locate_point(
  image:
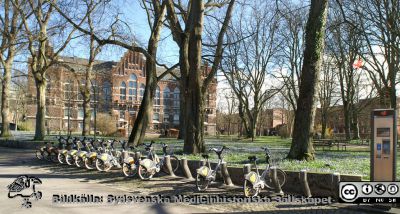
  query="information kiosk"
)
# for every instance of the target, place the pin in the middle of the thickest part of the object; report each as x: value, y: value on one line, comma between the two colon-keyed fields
x: 383, y: 145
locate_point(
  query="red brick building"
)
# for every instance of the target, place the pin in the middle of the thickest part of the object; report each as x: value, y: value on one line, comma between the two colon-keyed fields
x: 117, y: 89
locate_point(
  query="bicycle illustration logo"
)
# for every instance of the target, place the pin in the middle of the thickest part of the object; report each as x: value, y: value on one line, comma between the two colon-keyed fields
x: 24, y: 187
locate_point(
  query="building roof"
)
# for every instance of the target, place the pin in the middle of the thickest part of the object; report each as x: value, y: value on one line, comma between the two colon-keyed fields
x: 79, y: 64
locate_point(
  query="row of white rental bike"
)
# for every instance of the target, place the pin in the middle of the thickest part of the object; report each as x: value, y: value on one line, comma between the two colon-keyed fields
x: 104, y: 155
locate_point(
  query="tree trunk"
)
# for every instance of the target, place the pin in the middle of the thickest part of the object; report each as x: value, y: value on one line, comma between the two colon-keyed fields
x: 41, y: 109
x: 194, y: 118
x: 139, y: 127
x: 354, y: 124
x: 142, y: 120
x: 5, y: 110
x: 194, y: 99
x: 347, y: 120
x: 323, y: 123
x: 184, y: 70
x: 182, y: 127
x: 86, y: 101
x: 243, y: 121
x: 301, y: 148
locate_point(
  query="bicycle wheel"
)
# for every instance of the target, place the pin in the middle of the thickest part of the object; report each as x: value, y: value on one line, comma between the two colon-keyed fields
x: 174, y: 165
x: 129, y: 170
x: 54, y: 157
x: 281, y: 175
x: 249, y: 190
x: 201, y: 182
x: 90, y: 163
x: 144, y: 174
x: 79, y: 162
x: 99, y: 165
x: 70, y: 160
x: 61, y: 158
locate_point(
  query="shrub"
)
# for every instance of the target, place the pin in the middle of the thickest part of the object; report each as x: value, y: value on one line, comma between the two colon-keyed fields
x: 106, y: 124
x: 283, y: 131
x: 26, y: 126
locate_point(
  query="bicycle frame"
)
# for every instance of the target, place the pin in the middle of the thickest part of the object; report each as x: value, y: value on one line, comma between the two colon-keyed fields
x: 213, y: 172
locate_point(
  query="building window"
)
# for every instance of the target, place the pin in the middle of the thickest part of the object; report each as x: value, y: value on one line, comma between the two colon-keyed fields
x: 166, y: 118
x: 107, y: 91
x: 132, y: 87
x: 166, y: 98
x: 80, y: 125
x: 80, y: 113
x: 156, y: 116
x: 121, y: 114
x: 94, y: 91
x: 67, y: 113
x: 176, y: 97
x: 68, y: 90
x: 48, y: 84
x: 122, y: 91
x: 157, y: 96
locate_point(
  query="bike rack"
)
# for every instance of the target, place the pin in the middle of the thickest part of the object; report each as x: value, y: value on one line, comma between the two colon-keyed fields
x: 138, y: 156
x: 275, y: 181
x: 304, y: 183
x: 225, y: 174
x: 167, y: 160
x: 125, y: 155
x: 246, y: 169
x: 185, y: 169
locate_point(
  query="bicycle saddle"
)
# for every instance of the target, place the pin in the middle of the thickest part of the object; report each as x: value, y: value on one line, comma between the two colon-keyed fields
x: 205, y: 156
x: 219, y: 151
x: 148, y: 147
x: 266, y: 150
x: 252, y: 158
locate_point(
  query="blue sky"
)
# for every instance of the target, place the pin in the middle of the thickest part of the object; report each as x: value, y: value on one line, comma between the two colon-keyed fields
x: 136, y: 19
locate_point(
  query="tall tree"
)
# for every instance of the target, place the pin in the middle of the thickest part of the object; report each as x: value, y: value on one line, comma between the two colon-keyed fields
x: 193, y: 83
x: 42, y: 55
x: 248, y: 62
x: 10, y: 29
x: 301, y: 147
x: 326, y: 92
x: 155, y: 10
x: 345, y: 46
x: 377, y: 22
x: 94, y: 50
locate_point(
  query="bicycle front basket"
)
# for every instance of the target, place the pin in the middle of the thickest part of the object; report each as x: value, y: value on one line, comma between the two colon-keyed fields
x: 203, y: 171
x: 252, y: 177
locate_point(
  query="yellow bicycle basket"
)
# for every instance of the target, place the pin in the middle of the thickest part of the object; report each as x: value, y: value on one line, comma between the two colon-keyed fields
x: 104, y: 157
x: 203, y: 171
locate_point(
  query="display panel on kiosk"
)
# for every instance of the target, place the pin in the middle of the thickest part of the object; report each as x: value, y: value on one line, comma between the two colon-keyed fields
x: 383, y: 146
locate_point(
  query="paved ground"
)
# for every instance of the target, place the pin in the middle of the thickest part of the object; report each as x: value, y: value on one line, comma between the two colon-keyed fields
x: 59, y: 179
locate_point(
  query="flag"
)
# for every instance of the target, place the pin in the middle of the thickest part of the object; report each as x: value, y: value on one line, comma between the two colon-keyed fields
x: 358, y: 64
